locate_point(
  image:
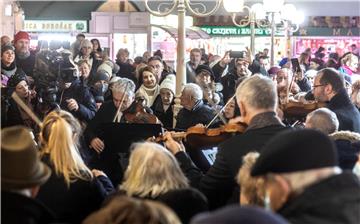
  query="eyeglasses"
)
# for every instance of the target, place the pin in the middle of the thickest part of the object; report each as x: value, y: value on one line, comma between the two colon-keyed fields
x: 317, y: 86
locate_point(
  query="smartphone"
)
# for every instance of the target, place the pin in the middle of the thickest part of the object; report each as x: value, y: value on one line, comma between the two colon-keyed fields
x: 295, y: 65
x: 236, y: 54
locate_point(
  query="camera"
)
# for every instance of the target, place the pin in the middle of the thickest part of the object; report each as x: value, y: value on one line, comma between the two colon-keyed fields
x: 236, y: 54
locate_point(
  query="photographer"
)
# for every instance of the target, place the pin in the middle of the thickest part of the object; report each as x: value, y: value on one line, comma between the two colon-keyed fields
x: 75, y: 97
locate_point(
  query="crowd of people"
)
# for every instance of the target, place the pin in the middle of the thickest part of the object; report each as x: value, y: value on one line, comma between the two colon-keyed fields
x: 289, y: 164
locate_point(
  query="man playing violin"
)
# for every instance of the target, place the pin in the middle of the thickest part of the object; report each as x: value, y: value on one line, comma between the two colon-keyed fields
x: 257, y: 100
x: 329, y: 86
x: 194, y: 110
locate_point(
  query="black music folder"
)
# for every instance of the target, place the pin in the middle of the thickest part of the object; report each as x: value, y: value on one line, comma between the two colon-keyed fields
x: 118, y: 137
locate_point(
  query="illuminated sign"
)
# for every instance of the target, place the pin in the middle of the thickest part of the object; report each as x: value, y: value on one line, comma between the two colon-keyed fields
x: 236, y: 31
x: 56, y: 26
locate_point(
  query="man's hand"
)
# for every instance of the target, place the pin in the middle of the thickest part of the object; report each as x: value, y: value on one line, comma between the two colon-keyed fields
x: 226, y: 59
x: 172, y: 145
x: 97, y: 144
x: 72, y: 105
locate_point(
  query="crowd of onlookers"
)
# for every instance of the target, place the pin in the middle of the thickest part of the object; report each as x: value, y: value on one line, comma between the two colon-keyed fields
x: 278, y: 173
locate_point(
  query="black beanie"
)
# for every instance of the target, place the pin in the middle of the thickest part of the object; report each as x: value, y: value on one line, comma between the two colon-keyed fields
x: 7, y: 47
x: 293, y: 151
x: 205, y: 68
x: 16, y: 78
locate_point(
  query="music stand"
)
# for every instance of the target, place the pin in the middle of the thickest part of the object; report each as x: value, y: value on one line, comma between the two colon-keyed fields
x: 118, y: 137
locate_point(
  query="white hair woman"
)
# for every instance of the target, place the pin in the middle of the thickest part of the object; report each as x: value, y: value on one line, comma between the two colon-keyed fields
x: 154, y: 173
x: 73, y: 190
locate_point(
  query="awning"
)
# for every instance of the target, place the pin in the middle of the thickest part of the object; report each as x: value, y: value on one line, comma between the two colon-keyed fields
x: 191, y: 32
x: 59, y: 10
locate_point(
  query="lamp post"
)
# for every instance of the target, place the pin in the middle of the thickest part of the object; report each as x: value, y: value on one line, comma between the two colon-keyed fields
x: 256, y: 16
x: 164, y: 9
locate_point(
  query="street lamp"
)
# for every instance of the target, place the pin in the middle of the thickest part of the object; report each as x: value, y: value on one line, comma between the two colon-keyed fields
x: 164, y: 8
x: 264, y: 16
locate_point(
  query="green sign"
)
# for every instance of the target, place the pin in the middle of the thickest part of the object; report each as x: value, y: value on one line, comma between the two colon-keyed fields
x: 325, y: 31
x: 237, y: 31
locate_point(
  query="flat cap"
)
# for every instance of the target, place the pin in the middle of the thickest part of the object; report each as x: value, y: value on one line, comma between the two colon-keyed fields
x: 296, y: 150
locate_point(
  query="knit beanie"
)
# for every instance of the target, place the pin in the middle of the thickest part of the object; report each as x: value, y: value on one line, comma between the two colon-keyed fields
x: 169, y: 83
x: 21, y: 35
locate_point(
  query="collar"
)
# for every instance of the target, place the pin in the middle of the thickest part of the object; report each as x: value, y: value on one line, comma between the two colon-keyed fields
x: 263, y: 120
x: 340, y: 99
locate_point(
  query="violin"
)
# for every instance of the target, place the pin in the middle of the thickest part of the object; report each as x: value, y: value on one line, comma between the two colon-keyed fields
x: 140, y: 116
x: 201, y: 137
x: 299, y: 109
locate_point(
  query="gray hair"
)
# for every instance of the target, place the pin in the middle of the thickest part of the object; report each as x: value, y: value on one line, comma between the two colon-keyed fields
x: 323, y: 120
x: 258, y: 92
x: 194, y: 90
x: 123, y: 85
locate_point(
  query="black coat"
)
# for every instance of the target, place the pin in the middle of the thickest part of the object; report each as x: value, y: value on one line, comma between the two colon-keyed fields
x: 218, y: 184
x: 229, y: 85
x: 200, y: 114
x: 84, y: 98
x: 331, y: 201
x: 166, y: 117
x: 347, y: 114
x: 16, y: 208
x: 72, y: 204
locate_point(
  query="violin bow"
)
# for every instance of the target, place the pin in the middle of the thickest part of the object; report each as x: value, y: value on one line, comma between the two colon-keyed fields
x: 220, y: 111
x: 26, y: 108
x: 117, y: 115
x: 288, y: 90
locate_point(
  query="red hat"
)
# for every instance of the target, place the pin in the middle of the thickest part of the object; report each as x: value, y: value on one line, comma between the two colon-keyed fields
x: 21, y: 35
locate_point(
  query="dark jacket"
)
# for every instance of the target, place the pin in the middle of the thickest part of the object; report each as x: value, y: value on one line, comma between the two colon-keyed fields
x: 229, y: 85
x: 346, y: 112
x: 200, y: 114
x: 331, y: 201
x: 72, y: 204
x: 127, y: 71
x: 85, y: 100
x: 166, y: 117
x: 218, y: 184
x: 27, y: 64
x: 16, y: 208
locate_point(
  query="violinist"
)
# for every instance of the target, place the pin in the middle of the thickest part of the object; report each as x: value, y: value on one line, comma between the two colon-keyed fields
x: 257, y: 100
x: 194, y: 110
x: 329, y: 86
x: 123, y: 99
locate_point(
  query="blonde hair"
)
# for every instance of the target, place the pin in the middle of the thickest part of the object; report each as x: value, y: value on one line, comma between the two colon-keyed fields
x: 60, y: 137
x: 123, y: 209
x: 253, y: 188
x: 152, y: 171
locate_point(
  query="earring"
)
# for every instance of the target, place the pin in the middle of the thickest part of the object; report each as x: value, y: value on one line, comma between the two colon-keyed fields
x: 267, y: 202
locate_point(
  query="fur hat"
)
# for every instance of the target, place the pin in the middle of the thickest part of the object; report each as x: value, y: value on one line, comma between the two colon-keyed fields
x: 7, y: 47
x: 348, y: 146
x: 205, y: 68
x: 20, y: 163
x: 169, y: 83
x: 16, y: 78
x: 105, y: 68
x: 21, y: 35
x: 293, y: 151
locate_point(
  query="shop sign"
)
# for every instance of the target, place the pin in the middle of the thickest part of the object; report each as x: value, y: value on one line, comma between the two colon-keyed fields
x: 325, y: 31
x: 236, y: 31
x: 55, y: 26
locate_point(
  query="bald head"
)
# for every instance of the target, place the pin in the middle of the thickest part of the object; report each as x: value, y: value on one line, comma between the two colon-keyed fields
x: 323, y: 120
